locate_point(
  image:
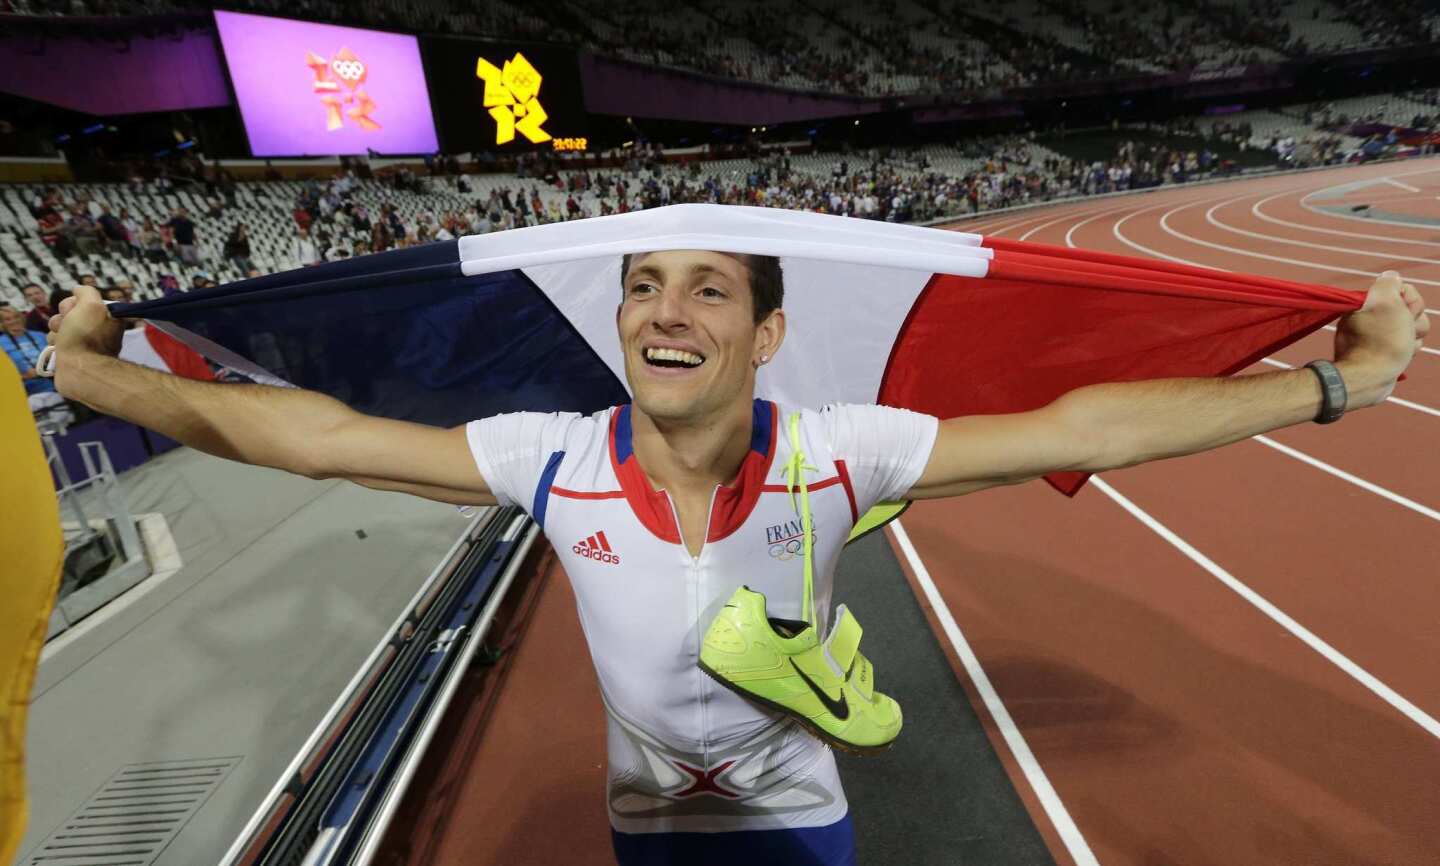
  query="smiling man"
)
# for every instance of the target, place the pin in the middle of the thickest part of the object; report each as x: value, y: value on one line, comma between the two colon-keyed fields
x: 660, y: 508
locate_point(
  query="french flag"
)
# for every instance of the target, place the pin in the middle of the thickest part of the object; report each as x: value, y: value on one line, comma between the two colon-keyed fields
x: 941, y: 322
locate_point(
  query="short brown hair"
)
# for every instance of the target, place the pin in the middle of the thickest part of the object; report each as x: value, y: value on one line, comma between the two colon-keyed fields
x: 767, y: 281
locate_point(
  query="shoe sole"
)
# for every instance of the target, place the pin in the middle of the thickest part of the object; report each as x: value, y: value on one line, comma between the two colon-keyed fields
x: 824, y: 735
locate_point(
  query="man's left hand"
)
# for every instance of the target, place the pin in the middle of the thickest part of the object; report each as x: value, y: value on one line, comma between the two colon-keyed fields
x: 1374, y: 344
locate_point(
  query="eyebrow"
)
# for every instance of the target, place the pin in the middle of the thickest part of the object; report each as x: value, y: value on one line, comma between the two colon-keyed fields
x: 699, y: 269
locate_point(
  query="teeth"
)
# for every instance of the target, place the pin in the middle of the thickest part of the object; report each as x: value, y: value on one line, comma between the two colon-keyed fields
x: 656, y: 354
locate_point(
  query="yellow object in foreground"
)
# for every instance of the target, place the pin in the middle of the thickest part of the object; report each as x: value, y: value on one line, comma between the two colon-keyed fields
x: 32, y: 550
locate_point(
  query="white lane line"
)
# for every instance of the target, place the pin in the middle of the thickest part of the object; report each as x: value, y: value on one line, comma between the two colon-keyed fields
x: 1165, y: 225
x: 1070, y: 215
x: 1422, y: 510
x: 1216, y: 221
x: 1018, y: 223
x: 1255, y: 209
x: 1405, y: 186
x: 1049, y: 800
x: 1332, y: 655
x: 1396, y: 400
x: 1070, y: 234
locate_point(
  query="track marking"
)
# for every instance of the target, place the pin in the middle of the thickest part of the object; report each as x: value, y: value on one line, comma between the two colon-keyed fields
x: 1070, y: 214
x: 1049, y: 800
x: 1332, y: 655
x: 1165, y: 225
x: 1070, y: 234
x: 1422, y: 510
x: 1371, y: 220
x: 1255, y: 209
x: 1405, y: 186
x: 1215, y: 221
x: 1396, y: 400
x: 1019, y: 223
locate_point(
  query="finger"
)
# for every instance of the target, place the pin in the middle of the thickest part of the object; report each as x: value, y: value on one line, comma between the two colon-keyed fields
x: 68, y: 304
x: 54, y: 323
x: 1422, y: 325
x: 1412, y: 299
x: 90, y: 293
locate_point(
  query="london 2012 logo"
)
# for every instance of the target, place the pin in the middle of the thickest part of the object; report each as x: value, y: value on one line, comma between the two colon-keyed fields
x: 512, y: 93
x: 340, y: 81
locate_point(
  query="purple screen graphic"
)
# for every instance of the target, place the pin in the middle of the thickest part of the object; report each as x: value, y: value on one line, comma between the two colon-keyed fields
x: 319, y: 90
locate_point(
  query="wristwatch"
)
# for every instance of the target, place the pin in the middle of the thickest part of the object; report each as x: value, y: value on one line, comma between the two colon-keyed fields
x: 1332, y: 389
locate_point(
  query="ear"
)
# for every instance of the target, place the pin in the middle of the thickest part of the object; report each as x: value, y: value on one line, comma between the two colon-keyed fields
x: 769, y: 334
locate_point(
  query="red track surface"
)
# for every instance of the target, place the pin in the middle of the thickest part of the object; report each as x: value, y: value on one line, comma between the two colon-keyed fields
x: 1176, y: 721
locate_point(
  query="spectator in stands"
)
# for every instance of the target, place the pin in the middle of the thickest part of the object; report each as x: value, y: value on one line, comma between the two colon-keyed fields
x: 38, y: 319
x: 237, y: 248
x: 90, y: 280
x: 152, y: 242
x: 126, y: 290
x: 53, y: 233
x: 183, y: 229
x: 81, y: 228
x: 23, y: 346
x: 304, y: 249
x: 112, y: 229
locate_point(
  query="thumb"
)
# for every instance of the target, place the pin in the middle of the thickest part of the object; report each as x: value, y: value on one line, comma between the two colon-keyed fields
x: 1387, y: 284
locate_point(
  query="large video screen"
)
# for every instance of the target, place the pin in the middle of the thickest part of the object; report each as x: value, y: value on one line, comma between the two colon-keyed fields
x: 309, y: 89
x: 506, y: 97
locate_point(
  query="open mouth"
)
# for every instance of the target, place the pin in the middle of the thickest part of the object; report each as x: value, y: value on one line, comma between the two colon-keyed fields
x: 672, y: 358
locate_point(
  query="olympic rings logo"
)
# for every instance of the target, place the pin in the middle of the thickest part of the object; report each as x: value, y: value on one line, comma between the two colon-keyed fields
x: 789, y: 548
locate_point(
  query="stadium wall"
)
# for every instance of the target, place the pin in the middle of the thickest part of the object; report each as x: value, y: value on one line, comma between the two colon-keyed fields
x: 130, y: 75
x: 627, y: 89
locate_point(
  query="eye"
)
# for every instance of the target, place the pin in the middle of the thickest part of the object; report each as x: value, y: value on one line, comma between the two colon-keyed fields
x: 711, y: 292
x: 641, y: 288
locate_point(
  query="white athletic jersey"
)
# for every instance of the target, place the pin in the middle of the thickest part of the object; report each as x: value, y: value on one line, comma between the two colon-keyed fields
x: 687, y: 754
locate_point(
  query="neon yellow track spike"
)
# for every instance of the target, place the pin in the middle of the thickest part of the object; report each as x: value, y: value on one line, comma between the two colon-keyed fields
x: 828, y: 686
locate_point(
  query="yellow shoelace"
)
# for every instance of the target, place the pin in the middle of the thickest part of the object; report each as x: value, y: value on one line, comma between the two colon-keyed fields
x: 795, y: 469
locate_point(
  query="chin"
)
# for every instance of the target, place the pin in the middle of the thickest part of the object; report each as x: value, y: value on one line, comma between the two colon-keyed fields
x: 667, y: 407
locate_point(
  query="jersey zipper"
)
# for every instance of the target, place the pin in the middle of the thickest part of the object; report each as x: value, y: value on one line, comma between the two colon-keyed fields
x: 702, y: 692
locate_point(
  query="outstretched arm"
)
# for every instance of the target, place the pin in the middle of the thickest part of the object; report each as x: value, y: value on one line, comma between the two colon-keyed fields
x: 299, y: 431
x: 1110, y: 426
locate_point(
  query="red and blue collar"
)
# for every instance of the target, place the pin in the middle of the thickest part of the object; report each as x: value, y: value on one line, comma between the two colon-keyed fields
x: 733, y: 502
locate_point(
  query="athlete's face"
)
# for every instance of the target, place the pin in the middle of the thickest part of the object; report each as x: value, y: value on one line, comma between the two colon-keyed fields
x: 688, y: 331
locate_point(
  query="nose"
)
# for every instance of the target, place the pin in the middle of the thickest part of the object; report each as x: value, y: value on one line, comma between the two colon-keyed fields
x: 669, y: 313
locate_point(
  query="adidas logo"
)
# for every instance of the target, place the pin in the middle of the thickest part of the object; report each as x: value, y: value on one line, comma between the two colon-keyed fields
x: 597, y: 548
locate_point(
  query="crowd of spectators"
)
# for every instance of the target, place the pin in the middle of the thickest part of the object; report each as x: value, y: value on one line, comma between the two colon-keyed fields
x: 854, y: 46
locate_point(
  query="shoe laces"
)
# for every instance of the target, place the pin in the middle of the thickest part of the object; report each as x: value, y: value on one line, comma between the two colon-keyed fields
x: 795, y: 469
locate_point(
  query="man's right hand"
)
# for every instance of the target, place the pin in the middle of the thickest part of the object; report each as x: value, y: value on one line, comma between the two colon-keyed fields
x: 88, y: 329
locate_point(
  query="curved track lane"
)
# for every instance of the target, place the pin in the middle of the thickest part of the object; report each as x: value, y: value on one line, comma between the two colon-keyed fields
x: 1235, y: 658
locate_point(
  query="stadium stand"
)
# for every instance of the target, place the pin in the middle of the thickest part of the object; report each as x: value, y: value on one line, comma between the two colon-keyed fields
x: 883, y: 49
x: 344, y: 215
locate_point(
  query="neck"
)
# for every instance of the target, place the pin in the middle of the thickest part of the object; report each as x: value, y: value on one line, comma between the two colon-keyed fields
x: 693, y: 454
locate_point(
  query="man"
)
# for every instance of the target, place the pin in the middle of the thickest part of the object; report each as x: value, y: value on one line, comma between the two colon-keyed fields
x: 306, y: 251
x: 40, y: 310
x: 23, y: 346
x: 679, y: 484
x: 183, y: 230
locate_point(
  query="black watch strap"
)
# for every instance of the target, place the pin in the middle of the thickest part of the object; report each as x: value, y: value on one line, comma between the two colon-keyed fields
x: 1332, y: 387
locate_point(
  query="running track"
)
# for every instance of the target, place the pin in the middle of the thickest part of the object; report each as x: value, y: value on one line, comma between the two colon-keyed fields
x: 1232, y: 658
